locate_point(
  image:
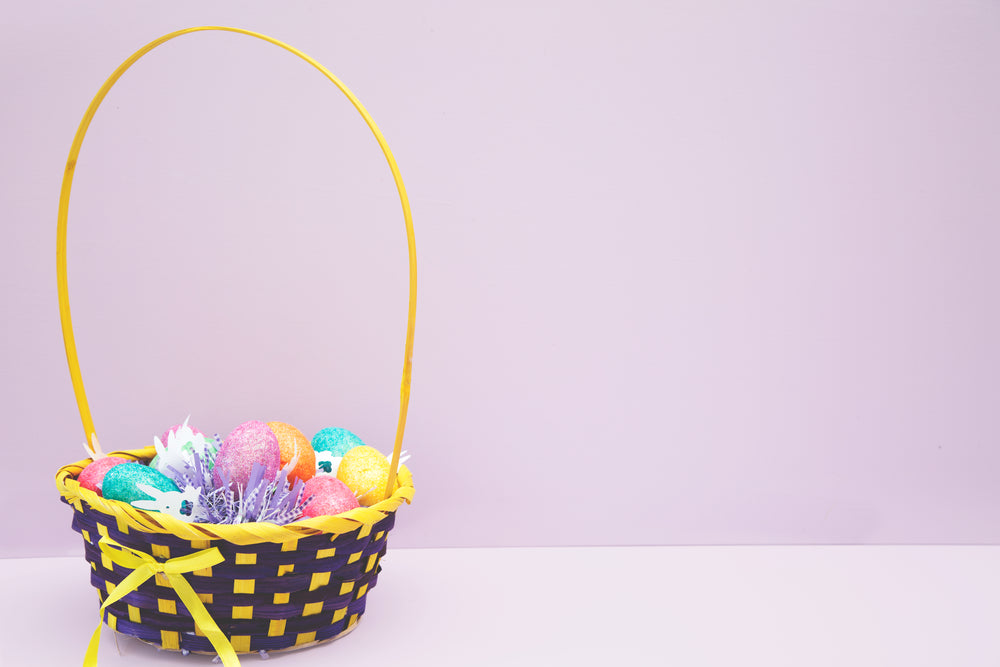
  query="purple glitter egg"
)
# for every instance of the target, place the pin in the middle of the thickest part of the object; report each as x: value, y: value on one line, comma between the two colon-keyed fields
x: 250, y: 442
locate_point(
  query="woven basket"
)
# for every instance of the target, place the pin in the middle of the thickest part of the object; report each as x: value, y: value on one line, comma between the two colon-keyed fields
x: 227, y: 589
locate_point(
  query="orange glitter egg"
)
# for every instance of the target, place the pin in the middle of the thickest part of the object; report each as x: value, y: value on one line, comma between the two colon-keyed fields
x: 292, y: 443
x: 365, y: 471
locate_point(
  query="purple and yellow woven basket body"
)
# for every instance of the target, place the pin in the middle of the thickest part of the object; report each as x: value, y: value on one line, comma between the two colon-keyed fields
x: 227, y: 589
x: 264, y: 597
x: 307, y: 587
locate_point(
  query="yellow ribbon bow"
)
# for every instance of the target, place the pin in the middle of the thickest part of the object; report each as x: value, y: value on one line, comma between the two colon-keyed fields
x: 143, y: 567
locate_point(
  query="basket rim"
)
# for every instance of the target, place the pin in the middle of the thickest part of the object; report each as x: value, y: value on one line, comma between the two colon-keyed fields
x: 241, y: 533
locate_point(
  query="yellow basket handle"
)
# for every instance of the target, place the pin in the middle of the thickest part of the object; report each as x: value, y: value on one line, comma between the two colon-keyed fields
x: 67, y: 184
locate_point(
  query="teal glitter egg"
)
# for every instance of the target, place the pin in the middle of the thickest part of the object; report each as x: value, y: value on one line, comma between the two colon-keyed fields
x: 123, y: 484
x: 337, y: 441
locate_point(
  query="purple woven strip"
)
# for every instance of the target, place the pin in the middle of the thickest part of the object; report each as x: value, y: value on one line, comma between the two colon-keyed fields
x: 266, y: 574
x: 296, y: 624
x: 258, y: 642
x: 222, y: 604
x: 147, y: 596
x: 220, y: 583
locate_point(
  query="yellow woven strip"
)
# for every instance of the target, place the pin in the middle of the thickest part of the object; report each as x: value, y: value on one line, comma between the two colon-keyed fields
x: 244, y: 585
x: 102, y: 530
x: 110, y: 586
x: 285, y: 569
x: 312, y: 608
x: 276, y: 628
x: 339, y: 614
x: 166, y: 606
x: 291, y: 545
x: 246, y: 559
x: 133, y: 614
x: 112, y: 621
x: 354, y: 558
x: 207, y: 598
x: 241, y: 643
x: 198, y: 631
x: 281, y: 598
x: 161, y: 551
x: 86, y: 535
x: 170, y: 640
x: 161, y: 579
x: 305, y: 638
x: 319, y: 579
x: 201, y: 544
x: 372, y: 561
x: 365, y: 531
x: 122, y: 524
x: 106, y: 562
x: 354, y: 619
x: 361, y: 591
x: 203, y: 572
x: 379, y: 534
x: 245, y: 611
x: 326, y: 553
x: 265, y: 532
x: 346, y: 587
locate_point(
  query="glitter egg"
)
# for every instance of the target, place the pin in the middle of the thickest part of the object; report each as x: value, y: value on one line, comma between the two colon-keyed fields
x: 291, y: 443
x: 329, y: 496
x: 93, y: 475
x: 337, y: 441
x: 250, y: 442
x: 121, y: 482
x: 365, y: 471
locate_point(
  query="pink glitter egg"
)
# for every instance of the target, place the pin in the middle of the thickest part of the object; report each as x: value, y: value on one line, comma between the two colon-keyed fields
x: 329, y: 496
x: 92, y: 476
x: 173, y: 429
x: 250, y: 442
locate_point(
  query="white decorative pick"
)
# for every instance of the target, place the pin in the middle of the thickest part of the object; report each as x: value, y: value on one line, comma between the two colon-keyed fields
x: 403, y: 458
x: 183, y: 505
x: 327, y: 463
x: 181, y: 448
x: 96, y: 453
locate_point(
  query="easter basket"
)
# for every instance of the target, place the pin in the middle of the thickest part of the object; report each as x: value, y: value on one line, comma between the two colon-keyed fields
x: 227, y: 589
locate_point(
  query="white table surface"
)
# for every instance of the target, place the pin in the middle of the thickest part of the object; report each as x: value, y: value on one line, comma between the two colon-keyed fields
x: 802, y: 606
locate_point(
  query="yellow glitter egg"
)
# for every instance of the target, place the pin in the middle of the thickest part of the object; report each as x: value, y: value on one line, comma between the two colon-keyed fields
x: 365, y: 471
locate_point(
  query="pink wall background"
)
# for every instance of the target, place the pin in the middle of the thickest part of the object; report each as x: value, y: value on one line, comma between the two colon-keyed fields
x: 690, y: 272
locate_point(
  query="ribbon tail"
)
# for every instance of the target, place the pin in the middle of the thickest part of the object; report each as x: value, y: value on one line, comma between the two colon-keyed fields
x: 90, y: 659
x: 127, y: 585
x: 204, y: 620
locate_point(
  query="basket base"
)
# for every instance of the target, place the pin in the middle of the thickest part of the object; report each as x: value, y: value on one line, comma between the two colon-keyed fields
x: 346, y: 632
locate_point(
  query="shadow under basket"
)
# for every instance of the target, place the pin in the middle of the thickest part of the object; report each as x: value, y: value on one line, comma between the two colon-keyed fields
x: 264, y: 596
